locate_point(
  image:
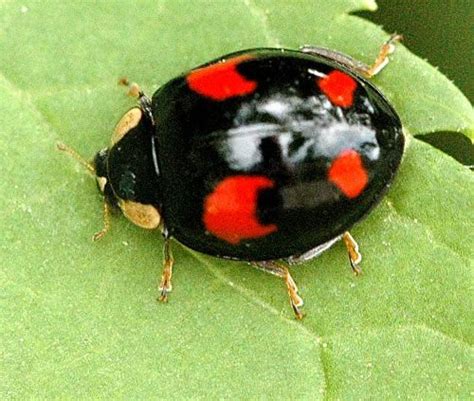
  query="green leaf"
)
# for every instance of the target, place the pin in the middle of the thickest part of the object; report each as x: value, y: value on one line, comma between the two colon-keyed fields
x: 80, y: 320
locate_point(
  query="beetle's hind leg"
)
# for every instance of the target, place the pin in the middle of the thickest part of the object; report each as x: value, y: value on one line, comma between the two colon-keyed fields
x: 135, y: 91
x: 279, y: 270
x: 355, y: 256
x: 366, y: 70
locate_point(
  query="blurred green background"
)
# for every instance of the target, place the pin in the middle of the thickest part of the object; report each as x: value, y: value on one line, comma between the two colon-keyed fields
x: 441, y: 31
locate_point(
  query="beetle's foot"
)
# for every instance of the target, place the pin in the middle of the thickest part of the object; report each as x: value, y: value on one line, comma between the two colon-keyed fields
x: 165, y: 286
x: 106, y: 216
x: 135, y: 91
x: 133, y: 88
x: 356, y: 269
x: 382, y: 59
x: 296, y: 301
x: 298, y: 314
x: 355, y: 256
x: 281, y: 271
x: 99, y: 235
x: 164, y: 295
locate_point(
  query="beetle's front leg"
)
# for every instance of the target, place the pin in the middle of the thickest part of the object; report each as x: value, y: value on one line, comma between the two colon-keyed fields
x: 165, y: 286
x: 106, y: 219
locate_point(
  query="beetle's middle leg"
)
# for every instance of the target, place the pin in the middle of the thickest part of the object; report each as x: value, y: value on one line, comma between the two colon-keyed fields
x: 353, y: 251
x: 279, y: 270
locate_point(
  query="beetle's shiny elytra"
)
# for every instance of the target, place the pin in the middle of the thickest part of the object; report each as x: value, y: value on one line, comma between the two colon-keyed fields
x: 268, y: 153
x: 261, y: 155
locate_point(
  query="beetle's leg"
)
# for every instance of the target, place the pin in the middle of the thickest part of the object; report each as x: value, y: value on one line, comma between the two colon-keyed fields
x: 281, y: 271
x: 353, y: 251
x: 382, y: 58
x: 165, y: 286
x: 135, y: 91
x: 367, y: 71
x: 106, y: 216
x: 90, y: 167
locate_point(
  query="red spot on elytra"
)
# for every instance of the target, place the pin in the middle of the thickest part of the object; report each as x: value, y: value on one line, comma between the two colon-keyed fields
x: 221, y: 81
x: 230, y: 211
x: 339, y: 88
x: 348, y: 173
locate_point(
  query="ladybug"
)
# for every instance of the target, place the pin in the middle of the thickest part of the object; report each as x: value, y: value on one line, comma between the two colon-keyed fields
x: 264, y: 155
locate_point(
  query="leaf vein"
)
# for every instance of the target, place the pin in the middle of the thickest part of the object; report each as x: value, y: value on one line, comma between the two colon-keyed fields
x: 427, y: 228
x: 253, y: 298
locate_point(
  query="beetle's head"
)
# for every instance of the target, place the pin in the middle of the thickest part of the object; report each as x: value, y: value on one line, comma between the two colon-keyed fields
x: 100, y: 166
x: 126, y: 172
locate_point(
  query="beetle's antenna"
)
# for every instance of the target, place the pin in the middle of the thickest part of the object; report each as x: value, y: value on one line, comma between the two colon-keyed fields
x: 71, y: 152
